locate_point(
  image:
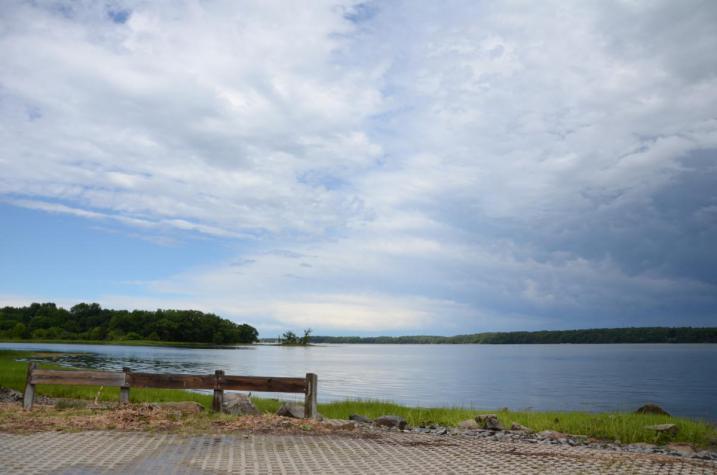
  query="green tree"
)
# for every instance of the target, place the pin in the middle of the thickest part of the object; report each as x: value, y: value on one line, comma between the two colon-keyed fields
x: 19, y: 331
x: 289, y: 338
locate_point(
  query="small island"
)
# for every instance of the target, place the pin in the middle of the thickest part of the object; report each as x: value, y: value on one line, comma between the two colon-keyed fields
x: 290, y: 338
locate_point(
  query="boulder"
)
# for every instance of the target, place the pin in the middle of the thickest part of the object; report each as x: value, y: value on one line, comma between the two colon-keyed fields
x: 391, y: 421
x: 238, y: 404
x: 469, y: 424
x: 668, y: 429
x: 9, y: 395
x: 291, y: 409
x: 652, y: 409
x: 489, y: 421
x: 359, y: 418
x: 521, y: 427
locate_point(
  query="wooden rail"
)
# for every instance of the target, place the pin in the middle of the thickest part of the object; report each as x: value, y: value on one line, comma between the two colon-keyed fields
x: 218, y: 381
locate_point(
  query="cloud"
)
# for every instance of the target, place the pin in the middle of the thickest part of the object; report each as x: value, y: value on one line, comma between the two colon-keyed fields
x: 396, y: 166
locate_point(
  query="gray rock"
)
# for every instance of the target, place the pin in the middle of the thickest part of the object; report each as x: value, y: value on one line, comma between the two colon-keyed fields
x: 651, y: 409
x: 469, y: 424
x: 391, y: 421
x: 238, y: 404
x: 670, y: 429
x: 359, y: 418
x: 10, y: 395
x: 294, y: 410
x: 489, y: 421
x: 291, y: 409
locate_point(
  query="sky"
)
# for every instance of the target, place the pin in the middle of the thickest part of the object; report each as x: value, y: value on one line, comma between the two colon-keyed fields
x: 363, y: 168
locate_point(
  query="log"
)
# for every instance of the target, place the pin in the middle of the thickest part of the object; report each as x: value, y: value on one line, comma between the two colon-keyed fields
x: 310, y: 410
x: 87, y: 378
x: 28, y: 397
x: 171, y: 381
x: 258, y: 383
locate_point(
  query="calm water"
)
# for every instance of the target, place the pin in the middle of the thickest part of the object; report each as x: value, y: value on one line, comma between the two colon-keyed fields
x: 681, y: 378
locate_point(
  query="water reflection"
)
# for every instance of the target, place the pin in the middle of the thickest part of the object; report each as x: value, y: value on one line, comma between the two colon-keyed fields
x: 559, y: 377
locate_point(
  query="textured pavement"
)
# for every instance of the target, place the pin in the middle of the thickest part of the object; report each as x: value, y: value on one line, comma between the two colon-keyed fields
x: 165, y: 453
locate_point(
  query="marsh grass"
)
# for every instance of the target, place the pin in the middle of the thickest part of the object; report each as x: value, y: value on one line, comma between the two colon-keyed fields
x: 625, y: 427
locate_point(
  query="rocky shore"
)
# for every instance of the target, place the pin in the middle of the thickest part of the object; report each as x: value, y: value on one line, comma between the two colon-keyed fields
x: 487, y: 426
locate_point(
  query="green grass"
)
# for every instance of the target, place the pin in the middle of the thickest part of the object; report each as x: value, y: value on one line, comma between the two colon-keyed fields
x: 625, y: 427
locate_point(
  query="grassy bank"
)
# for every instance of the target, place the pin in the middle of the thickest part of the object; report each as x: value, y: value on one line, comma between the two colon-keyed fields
x: 625, y: 427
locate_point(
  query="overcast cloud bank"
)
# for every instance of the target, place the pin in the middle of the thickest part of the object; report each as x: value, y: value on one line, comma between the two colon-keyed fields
x: 384, y: 167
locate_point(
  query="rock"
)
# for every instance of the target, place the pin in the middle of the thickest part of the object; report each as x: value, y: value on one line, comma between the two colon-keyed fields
x: 294, y: 410
x: 359, y: 418
x: 238, y: 404
x: 185, y: 407
x: 469, y: 424
x: 651, y: 409
x: 705, y: 455
x: 391, y: 421
x: 489, y: 421
x: 521, y: 427
x: 291, y: 409
x: 670, y: 429
x: 10, y: 395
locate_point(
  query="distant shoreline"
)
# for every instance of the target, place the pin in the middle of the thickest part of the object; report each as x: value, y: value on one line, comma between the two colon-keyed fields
x: 585, y: 336
x: 632, y: 335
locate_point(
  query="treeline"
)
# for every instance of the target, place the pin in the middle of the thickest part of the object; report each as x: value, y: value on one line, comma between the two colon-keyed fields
x: 594, y: 335
x: 47, y: 321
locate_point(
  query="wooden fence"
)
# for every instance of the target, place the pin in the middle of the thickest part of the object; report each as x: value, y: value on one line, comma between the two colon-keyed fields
x: 218, y: 381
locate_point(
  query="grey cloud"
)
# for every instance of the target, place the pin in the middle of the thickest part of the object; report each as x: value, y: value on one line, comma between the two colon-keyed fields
x: 466, y: 165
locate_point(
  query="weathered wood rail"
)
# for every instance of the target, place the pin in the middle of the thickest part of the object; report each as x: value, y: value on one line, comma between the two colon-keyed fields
x: 218, y: 381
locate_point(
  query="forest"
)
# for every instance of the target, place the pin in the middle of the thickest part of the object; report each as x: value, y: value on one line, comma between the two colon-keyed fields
x: 47, y: 321
x: 593, y: 335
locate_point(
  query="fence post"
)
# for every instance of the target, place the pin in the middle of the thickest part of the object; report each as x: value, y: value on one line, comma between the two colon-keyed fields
x: 124, y: 390
x: 310, y: 411
x: 218, y: 400
x: 29, y: 397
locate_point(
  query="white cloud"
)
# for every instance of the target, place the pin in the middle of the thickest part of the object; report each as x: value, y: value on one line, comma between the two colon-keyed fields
x: 475, y: 165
